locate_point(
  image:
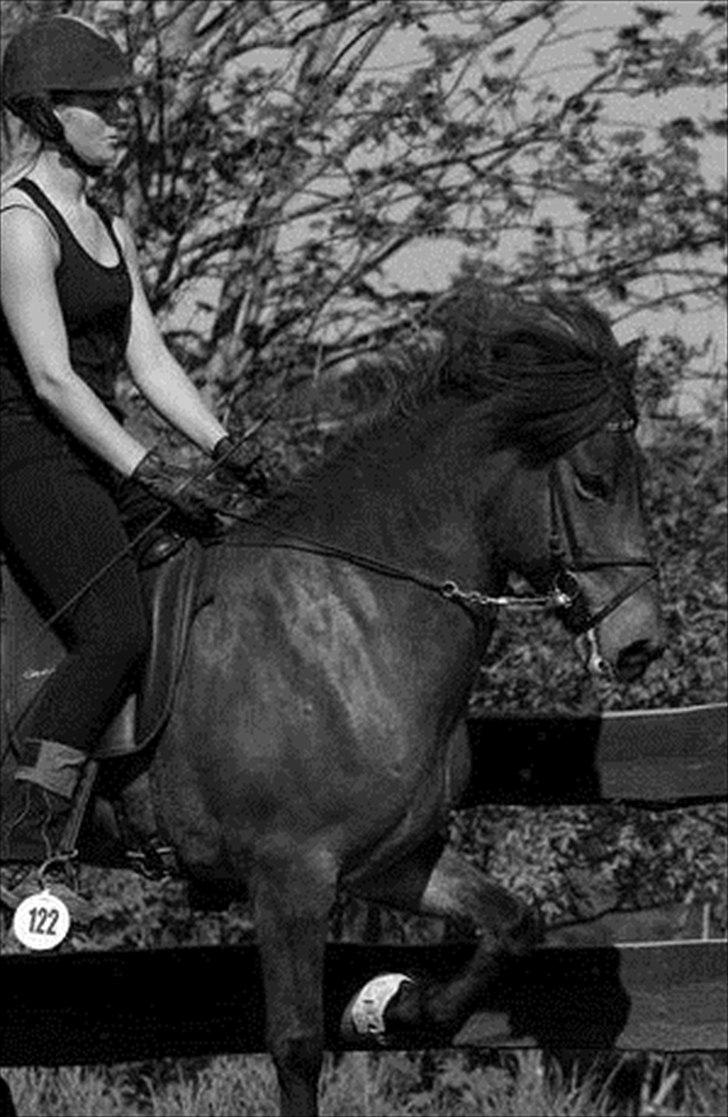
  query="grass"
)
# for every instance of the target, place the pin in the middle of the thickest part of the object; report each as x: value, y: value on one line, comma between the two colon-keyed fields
x: 359, y: 1084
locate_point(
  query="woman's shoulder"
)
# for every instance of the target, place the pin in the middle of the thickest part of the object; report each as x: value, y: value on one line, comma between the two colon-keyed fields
x: 24, y: 224
x: 13, y: 196
x: 15, y: 200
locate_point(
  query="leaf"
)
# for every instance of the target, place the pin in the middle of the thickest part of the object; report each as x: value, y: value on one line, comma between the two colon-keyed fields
x: 652, y: 17
x: 500, y: 56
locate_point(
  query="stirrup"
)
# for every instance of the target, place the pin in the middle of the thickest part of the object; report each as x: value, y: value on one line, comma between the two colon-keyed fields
x: 61, y: 859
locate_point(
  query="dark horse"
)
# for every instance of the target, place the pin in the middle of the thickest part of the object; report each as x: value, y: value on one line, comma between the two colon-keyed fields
x: 317, y: 739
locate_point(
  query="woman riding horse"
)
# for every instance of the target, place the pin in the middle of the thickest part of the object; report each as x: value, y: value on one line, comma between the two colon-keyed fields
x: 316, y: 739
x: 76, y: 484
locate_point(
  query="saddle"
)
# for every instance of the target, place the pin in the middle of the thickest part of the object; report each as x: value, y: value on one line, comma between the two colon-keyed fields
x: 174, y: 591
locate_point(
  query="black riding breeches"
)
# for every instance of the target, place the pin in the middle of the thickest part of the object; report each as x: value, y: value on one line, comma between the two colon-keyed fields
x: 59, y: 526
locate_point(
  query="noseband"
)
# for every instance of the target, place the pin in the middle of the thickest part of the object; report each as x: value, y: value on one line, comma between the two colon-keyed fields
x: 569, y: 558
x: 572, y: 560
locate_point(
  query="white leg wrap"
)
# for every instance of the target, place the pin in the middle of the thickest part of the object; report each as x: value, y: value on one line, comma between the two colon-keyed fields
x: 364, y: 1015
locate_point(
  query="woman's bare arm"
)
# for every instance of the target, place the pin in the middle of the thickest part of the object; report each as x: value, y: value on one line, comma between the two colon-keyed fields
x: 156, y: 372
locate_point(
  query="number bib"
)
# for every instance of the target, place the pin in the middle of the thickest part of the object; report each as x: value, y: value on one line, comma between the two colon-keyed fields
x: 41, y: 921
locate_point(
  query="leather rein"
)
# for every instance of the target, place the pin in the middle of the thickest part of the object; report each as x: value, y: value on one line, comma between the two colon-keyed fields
x: 566, y: 560
x: 565, y: 564
x: 450, y: 590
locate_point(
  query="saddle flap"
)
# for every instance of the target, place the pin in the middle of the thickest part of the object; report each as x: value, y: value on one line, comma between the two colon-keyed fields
x: 171, y: 593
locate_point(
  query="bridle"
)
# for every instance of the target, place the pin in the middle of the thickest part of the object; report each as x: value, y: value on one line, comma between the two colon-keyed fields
x: 567, y: 560
x: 570, y: 558
x: 470, y: 600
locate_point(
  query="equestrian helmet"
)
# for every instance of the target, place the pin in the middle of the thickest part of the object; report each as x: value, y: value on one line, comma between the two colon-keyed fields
x: 62, y: 54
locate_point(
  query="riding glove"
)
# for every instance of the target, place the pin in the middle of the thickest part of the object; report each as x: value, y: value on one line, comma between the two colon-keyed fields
x: 235, y: 468
x: 177, y: 487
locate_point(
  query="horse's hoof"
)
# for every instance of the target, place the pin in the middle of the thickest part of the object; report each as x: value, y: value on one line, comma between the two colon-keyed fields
x: 363, y: 1017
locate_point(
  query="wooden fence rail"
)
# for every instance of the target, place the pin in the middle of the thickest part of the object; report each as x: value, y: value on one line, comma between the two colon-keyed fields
x: 101, y: 1007
x: 584, y: 989
x: 642, y: 756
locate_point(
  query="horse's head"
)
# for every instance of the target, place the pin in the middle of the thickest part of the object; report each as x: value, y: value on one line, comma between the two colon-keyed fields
x: 559, y: 402
x: 592, y: 546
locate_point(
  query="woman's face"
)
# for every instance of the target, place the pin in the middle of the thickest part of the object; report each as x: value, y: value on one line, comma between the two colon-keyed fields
x: 92, y: 123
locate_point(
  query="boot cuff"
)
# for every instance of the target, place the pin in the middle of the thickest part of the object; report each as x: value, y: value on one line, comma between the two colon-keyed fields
x: 57, y: 768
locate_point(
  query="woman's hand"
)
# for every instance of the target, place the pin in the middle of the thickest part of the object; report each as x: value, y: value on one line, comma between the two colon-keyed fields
x: 178, y: 487
x: 235, y: 468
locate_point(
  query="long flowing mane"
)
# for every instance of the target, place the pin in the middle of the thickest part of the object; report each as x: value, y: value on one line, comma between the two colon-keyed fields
x: 550, y: 368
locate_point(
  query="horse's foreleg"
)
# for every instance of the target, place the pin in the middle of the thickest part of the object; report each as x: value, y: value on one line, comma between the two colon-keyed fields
x: 457, y: 889
x: 292, y: 896
x: 505, y: 926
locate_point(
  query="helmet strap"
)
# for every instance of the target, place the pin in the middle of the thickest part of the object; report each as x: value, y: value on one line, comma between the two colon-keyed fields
x: 38, y: 113
x: 69, y: 157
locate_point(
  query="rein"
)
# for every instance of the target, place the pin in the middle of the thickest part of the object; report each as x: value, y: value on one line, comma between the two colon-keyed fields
x: 565, y: 565
x: 567, y: 561
x: 449, y: 590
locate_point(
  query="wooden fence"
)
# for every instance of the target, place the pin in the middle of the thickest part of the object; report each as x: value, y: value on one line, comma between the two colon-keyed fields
x: 584, y: 989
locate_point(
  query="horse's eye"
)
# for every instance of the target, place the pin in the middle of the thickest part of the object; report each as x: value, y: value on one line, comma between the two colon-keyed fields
x: 591, y: 486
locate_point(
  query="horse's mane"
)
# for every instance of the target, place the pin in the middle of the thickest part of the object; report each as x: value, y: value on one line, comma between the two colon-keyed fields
x: 549, y: 366
x: 547, y: 371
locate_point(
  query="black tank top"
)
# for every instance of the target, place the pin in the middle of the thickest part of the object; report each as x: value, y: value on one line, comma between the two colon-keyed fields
x: 95, y: 303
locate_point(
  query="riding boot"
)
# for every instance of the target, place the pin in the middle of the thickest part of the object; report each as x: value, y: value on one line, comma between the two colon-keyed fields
x: 36, y: 819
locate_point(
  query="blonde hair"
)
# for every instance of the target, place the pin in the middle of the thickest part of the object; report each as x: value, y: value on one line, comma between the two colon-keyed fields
x: 21, y: 147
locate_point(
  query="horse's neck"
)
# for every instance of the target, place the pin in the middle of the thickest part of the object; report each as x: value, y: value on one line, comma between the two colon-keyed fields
x: 416, y: 497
